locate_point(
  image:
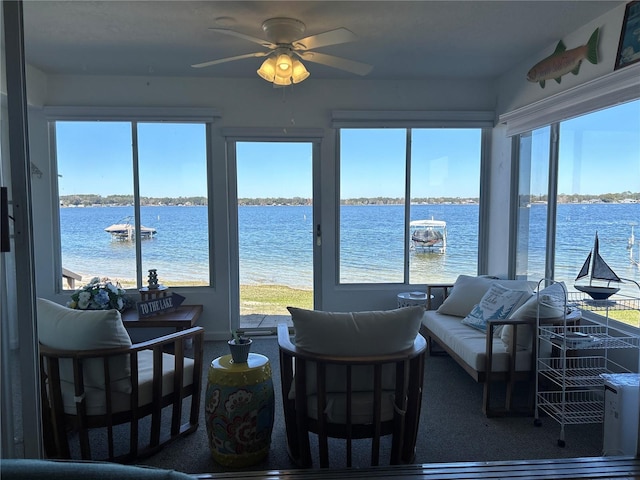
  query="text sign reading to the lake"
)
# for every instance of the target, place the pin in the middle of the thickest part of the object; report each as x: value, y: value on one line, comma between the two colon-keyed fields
x: 159, y: 305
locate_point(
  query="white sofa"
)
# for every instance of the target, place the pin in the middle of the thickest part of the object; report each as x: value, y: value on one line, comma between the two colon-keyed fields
x: 504, y: 351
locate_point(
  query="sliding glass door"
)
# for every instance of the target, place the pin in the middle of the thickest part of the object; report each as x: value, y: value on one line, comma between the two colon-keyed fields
x: 275, y: 230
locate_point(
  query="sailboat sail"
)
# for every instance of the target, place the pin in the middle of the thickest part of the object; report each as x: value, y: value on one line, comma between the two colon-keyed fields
x: 600, y: 270
x: 584, y: 271
x: 596, y: 268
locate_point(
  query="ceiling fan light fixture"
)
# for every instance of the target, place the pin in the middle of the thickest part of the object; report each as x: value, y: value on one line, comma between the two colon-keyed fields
x: 282, y: 78
x: 284, y: 63
x: 285, y: 49
x: 299, y: 72
x: 268, y: 69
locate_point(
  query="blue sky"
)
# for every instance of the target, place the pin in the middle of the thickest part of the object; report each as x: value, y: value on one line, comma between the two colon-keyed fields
x: 95, y: 157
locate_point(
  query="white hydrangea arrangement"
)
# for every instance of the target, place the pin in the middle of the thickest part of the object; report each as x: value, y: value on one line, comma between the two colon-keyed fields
x: 99, y: 294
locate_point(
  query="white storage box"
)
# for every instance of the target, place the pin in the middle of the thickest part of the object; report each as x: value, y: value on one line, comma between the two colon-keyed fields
x: 621, y: 413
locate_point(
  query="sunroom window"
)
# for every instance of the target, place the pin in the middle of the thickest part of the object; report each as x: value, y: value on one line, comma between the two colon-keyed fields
x: 431, y: 238
x: 115, y: 177
x: 594, y: 189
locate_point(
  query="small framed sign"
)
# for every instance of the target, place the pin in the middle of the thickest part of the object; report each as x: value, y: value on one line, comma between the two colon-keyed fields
x: 159, y: 305
x: 629, y: 46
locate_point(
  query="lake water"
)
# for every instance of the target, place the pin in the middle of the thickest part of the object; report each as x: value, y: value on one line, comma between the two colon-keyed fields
x: 276, y: 242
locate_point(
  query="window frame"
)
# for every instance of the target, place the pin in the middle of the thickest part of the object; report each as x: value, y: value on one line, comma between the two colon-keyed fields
x: 231, y: 137
x: 604, y: 92
x: 133, y: 116
x: 552, y: 211
x: 408, y: 120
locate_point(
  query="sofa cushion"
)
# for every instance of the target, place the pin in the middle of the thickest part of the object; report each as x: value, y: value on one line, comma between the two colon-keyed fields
x: 356, y: 333
x: 467, y: 292
x: 497, y: 304
x: 68, y: 329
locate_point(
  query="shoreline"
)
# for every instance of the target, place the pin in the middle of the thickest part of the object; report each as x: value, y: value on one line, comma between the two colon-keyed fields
x: 255, y: 299
x: 130, y: 284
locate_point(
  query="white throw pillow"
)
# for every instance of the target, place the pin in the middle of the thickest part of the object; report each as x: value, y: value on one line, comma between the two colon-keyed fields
x: 551, y: 301
x: 467, y: 292
x: 68, y: 329
x: 497, y: 304
x: 548, y: 303
x: 356, y: 333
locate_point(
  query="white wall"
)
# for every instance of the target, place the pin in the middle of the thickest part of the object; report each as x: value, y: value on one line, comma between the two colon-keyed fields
x: 245, y: 103
x: 516, y: 91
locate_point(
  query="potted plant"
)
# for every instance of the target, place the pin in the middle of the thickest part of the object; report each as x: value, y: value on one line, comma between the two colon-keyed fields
x: 239, y: 346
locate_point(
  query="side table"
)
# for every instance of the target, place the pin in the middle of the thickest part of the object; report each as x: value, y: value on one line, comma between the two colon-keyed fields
x: 239, y: 410
x: 410, y: 299
x: 183, y: 317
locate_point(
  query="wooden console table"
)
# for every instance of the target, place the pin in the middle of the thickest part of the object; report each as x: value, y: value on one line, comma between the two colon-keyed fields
x: 183, y: 317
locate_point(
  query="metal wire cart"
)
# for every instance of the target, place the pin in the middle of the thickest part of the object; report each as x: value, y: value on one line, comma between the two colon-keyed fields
x: 575, y: 350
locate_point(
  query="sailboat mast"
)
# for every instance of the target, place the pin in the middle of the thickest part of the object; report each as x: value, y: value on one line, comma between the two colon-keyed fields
x: 596, y: 254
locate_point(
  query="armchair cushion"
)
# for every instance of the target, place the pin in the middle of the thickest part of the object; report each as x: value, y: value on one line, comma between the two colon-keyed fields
x: 68, y: 329
x: 96, y: 402
x: 356, y: 333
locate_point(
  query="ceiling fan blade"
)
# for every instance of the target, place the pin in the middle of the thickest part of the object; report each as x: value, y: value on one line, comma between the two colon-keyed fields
x: 233, y: 33
x: 332, y: 37
x: 230, y: 59
x: 337, y: 62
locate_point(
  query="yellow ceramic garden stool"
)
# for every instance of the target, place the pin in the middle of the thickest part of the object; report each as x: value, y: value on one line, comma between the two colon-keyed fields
x: 239, y: 410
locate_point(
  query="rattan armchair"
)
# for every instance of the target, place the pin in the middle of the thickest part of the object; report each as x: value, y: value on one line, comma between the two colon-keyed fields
x: 312, y: 404
x: 87, y: 395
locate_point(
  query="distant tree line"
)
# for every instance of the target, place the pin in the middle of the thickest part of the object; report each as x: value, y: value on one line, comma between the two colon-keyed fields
x: 297, y: 201
x: 87, y: 200
x: 596, y: 198
x: 400, y: 200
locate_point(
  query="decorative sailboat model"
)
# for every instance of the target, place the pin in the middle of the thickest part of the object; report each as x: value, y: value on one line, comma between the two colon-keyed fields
x: 597, y: 269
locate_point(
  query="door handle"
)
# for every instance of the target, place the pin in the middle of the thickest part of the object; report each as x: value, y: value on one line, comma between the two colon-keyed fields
x: 318, y: 235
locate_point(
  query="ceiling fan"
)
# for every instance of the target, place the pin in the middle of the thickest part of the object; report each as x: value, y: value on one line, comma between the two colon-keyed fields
x: 285, y: 48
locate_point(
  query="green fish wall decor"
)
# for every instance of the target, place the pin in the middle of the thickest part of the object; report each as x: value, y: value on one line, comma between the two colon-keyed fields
x: 563, y: 61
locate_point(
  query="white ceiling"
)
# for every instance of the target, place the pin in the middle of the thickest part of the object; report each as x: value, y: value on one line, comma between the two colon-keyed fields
x: 401, y: 39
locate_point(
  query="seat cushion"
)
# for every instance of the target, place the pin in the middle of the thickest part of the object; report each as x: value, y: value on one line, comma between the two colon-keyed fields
x: 68, y: 329
x: 362, y: 405
x: 96, y: 401
x: 471, y: 344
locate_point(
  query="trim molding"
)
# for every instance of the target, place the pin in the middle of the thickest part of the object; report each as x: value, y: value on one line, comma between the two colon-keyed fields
x: 272, y: 133
x: 409, y: 119
x: 174, y: 114
x: 614, y: 88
